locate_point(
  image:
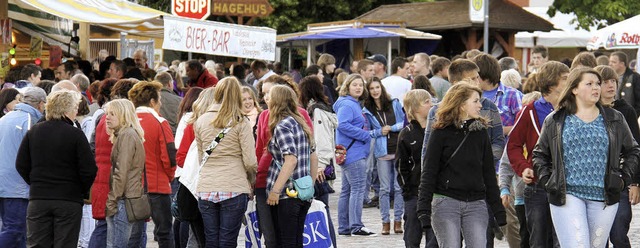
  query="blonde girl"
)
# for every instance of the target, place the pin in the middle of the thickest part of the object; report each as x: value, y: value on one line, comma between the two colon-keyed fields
x: 225, y: 179
x: 127, y: 163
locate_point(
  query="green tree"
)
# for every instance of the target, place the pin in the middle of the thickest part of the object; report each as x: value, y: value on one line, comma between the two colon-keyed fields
x: 294, y: 15
x: 594, y: 12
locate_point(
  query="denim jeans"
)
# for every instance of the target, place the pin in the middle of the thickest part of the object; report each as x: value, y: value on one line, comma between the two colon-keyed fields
x: 138, y: 237
x: 13, y: 212
x: 387, y: 178
x: 99, y: 235
x: 118, y: 228
x: 288, y: 219
x: 413, y: 231
x: 524, y: 232
x: 351, y: 197
x: 618, y: 235
x: 451, y: 217
x: 583, y: 223
x: 536, y: 206
x: 264, y: 218
x: 222, y: 220
x: 53, y: 223
x: 372, y: 175
x: 161, y: 216
x: 86, y: 226
x: 332, y: 231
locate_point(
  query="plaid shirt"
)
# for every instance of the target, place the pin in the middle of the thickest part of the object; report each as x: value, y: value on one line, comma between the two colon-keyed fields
x: 216, y: 197
x: 288, y: 139
x: 509, y: 102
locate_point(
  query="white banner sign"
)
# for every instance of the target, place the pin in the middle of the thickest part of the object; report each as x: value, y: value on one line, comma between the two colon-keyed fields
x: 476, y: 11
x: 218, y: 38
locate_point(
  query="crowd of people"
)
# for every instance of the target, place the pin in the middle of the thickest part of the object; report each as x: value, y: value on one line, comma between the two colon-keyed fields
x: 452, y: 151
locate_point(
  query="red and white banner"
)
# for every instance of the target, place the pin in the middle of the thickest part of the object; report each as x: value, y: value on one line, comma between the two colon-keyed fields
x: 218, y: 38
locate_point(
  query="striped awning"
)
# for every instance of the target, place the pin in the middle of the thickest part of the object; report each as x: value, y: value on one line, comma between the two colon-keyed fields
x: 56, y: 17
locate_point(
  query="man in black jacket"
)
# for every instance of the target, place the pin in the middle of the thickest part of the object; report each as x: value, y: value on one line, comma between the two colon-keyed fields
x: 628, y: 81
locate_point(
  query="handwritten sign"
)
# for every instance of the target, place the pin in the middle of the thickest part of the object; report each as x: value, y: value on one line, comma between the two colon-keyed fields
x: 218, y: 38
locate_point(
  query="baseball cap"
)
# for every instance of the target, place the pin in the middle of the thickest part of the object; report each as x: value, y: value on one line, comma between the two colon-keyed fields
x: 33, y: 95
x: 378, y: 58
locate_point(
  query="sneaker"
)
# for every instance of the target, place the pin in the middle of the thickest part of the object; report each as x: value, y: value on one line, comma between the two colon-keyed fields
x: 364, y: 232
x: 370, y: 204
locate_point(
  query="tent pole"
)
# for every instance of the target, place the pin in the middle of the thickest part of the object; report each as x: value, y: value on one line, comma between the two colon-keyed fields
x: 123, y: 45
x: 290, y: 51
x: 388, y: 56
x: 308, y: 52
x: 486, y: 27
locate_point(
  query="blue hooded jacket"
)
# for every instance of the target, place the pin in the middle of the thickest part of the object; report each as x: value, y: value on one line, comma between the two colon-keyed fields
x: 375, y: 129
x: 13, y: 127
x: 351, y: 124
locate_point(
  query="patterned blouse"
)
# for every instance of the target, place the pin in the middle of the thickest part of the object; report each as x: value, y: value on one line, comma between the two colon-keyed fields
x: 288, y: 138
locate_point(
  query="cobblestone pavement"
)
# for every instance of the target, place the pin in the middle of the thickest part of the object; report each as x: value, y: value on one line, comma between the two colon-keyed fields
x: 371, y: 219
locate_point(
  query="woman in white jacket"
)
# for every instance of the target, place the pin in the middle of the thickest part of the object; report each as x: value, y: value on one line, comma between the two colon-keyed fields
x: 325, y: 123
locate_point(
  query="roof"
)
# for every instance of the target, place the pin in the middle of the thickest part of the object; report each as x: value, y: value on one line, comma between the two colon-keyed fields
x: 567, y: 35
x: 58, y: 15
x: 454, y: 14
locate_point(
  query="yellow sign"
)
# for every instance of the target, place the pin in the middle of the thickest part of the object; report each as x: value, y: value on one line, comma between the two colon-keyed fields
x: 477, y: 4
x: 35, y: 50
x: 248, y: 8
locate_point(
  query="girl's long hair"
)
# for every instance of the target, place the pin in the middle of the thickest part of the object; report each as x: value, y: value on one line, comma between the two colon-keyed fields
x: 229, y: 95
x: 385, y: 99
x: 186, y: 105
x: 450, y: 110
x: 248, y: 90
x: 311, y: 89
x: 282, y: 104
x: 126, y: 113
x: 202, y: 104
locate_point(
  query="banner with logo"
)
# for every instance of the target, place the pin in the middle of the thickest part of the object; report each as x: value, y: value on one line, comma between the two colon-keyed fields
x: 218, y: 38
x: 476, y: 11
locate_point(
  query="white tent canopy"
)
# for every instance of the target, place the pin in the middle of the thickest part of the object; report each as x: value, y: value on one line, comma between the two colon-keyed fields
x: 567, y: 35
x: 621, y: 35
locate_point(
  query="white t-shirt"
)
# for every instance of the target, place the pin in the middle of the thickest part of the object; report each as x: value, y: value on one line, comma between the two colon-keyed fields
x: 396, y: 86
x: 265, y: 76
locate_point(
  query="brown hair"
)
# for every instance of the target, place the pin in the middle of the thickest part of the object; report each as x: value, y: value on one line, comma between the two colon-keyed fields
x: 489, y: 68
x: 440, y: 64
x: 567, y: 98
x: 459, y: 67
x: 284, y: 103
x: 344, y: 89
x: 422, y: 82
x: 549, y: 75
x: 606, y: 72
x: 412, y: 101
x: 186, y: 105
x: 542, y: 50
x: 142, y: 92
x: 449, y: 111
x: 362, y: 65
x: 121, y: 88
x: 325, y: 60
x: 584, y: 59
x: 622, y: 57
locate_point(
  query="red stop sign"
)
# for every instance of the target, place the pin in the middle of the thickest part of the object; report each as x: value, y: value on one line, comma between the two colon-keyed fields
x: 196, y: 9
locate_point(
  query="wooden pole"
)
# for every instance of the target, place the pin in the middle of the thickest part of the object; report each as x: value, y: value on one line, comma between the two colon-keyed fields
x: 84, y: 34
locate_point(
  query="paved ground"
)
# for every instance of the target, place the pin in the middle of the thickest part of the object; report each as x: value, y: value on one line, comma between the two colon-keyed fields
x: 371, y: 219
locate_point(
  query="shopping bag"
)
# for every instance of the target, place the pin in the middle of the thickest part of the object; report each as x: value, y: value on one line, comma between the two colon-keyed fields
x: 316, y: 227
x: 251, y: 230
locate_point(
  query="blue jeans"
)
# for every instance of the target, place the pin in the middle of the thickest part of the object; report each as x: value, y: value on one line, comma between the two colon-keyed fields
x: 13, y: 212
x: 387, y: 178
x: 372, y: 175
x: 351, y: 197
x: 118, y: 228
x: 622, y: 221
x: 99, y: 235
x: 451, y: 217
x: 583, y: 223
x: 222, y: 220
x: 138, y: 237
x: 536, y: 207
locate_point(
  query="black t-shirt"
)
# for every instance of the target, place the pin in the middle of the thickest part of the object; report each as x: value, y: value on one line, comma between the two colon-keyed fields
x: 388, y: 118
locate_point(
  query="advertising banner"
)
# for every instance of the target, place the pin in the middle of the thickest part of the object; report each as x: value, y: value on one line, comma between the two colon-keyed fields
x: 218, y: 38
